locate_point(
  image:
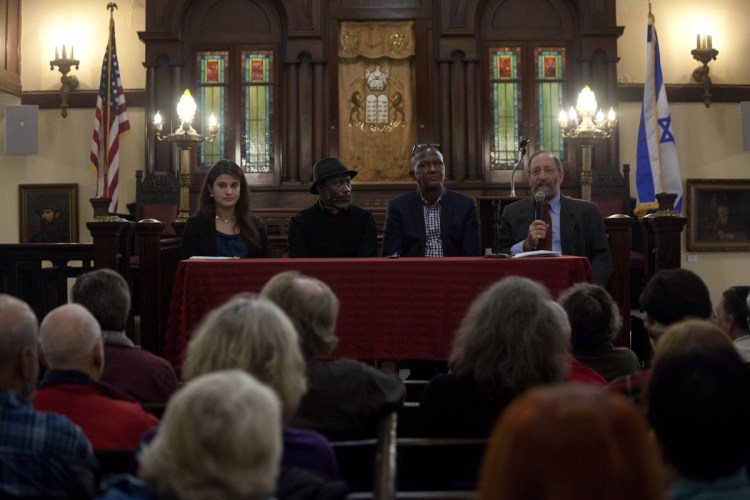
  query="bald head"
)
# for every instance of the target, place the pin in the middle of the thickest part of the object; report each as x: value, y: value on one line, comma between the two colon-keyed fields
x: 71, y: 340
x: 19, y: 339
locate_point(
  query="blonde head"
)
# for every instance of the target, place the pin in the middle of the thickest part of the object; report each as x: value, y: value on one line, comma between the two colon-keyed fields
x: 254, y: 335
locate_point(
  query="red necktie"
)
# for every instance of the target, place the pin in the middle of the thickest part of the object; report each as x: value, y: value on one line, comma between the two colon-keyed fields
x: 546, y: 243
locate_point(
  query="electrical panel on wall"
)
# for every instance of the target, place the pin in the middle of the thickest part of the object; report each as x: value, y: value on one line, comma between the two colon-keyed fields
x: 21, y: 129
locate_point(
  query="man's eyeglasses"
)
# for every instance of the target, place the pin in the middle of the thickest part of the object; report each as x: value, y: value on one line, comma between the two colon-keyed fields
x: 419, y: 147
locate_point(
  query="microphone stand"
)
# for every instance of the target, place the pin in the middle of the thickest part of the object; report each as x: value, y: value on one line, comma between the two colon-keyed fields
x: 522, y: 148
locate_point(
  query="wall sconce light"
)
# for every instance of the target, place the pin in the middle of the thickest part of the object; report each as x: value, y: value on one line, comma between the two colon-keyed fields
x: 704, y: 52
x: 69, y: 83
x: 185, y: 137
x: 589, y: 125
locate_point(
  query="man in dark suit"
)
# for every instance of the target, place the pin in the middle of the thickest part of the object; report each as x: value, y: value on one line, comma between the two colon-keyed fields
x: 576, y: 225
x: 431, y: 221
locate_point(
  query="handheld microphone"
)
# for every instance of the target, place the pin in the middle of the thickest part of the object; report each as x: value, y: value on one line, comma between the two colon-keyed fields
x: 538, y: 205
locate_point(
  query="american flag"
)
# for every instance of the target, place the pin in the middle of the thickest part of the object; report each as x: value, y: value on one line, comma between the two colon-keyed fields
x: 110, y: 121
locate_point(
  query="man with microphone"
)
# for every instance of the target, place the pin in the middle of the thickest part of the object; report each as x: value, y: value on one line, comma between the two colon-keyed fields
x: 551, y: 221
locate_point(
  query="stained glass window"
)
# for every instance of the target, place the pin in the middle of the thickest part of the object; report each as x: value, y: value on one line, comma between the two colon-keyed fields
x: 550, y: 74
x: 257, y: 81
x: 504, y: 85
x: 213, y: 71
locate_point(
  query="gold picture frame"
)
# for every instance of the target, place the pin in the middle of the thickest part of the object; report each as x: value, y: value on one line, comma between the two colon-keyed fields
x: 718, y: 213
x: 48, y: 213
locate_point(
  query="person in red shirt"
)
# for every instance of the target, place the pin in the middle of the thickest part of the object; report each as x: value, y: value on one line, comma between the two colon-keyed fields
x: 73, y: 351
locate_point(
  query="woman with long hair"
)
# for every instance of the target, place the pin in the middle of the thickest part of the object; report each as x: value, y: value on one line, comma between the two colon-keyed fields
x: 223, y: 225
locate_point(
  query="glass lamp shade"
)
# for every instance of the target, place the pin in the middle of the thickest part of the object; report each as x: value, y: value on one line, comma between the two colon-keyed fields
x: 186, y: 109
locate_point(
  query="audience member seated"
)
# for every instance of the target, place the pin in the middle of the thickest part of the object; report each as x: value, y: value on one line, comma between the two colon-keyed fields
x: 201, y: 450
x: 138, y: 373
x: 72, y: 349
x: 345, y: 398
x: 669, y: 296
x: 595, y: 321
x: 577, y: 371
x: 571, y: 442
x: 731, y: 314
x: 698, y: 407
x: 509, y: 341
x: 254, y: 335
x: 42, y: 455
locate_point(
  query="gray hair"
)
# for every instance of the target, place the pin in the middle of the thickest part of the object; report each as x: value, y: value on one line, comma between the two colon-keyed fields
x: 19, y: 330
x: 254, y: 335
x: 510, y: 339
x: 106, y: 295
x: 311, y: 305
x: 220, y: 438
x: 545, y: 152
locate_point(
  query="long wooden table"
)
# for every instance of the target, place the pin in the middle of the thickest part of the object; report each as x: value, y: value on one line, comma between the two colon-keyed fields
x: 407, y: 308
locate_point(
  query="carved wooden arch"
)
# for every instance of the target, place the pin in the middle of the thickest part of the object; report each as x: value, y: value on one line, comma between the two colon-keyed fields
x: 232, y: 21
x: 527, y: 20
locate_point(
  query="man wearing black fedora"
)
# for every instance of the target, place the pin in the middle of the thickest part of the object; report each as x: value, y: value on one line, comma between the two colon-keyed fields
x: 333, y: 227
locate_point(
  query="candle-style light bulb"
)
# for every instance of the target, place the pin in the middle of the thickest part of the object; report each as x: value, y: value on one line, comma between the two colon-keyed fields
x: 563, y: 118
x: 599, y: 118
x: 212, y: 123
x: 572, y: 116
x: 157, y: 119
x: 64, y: 54
x: 57, y: 53
x: 611, y: 115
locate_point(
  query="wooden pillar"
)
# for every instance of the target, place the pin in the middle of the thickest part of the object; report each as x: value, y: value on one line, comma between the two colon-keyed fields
x: 667, y: 246
x: 319, y: 117
x: 305, y: 122
x: 455, y: 168
x: 619, y: 232
x: 472, y: 123
x: 291, y: 164
x: 149, y: 233
x: 445, y: 110
x: 106, y: 236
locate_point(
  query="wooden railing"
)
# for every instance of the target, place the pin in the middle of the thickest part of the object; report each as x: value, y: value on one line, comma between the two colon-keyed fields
x: 40, y: 273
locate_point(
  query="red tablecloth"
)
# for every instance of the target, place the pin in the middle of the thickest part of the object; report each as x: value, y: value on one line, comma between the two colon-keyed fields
x: 390, y: 308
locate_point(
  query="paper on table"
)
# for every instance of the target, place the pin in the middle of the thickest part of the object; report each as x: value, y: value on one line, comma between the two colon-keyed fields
x: 209, y: 257
x: 538, y: 253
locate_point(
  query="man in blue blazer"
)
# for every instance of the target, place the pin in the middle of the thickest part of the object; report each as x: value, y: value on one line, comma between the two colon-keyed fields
x: 431, y: 221
x: 576, y: 225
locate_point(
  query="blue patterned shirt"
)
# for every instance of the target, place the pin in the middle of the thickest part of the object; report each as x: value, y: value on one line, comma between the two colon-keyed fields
x: 41, y: 454
x: 433, y: 245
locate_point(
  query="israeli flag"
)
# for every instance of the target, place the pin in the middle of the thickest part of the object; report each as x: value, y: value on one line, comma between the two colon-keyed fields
x: 657, y: 169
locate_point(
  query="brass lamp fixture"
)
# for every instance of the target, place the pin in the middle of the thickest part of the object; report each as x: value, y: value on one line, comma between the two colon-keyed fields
x: 704, y: 52
x: 590, y: 126
x: 185, y: 137
x: 69, y: 83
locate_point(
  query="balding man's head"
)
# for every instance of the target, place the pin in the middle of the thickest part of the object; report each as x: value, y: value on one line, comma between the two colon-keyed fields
x: 71, y: 340
x: 311, y: 305
x: 19, y: 342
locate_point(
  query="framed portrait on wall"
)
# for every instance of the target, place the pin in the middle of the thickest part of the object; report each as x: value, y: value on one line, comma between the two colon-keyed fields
x: 48, y: 213
x: 718, y: 213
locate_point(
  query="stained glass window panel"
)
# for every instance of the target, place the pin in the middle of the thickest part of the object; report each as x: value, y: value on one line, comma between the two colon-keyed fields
x: 256, y: 146
x: 213, y: 70
x: 550, y: 79
x: 504, y: 87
